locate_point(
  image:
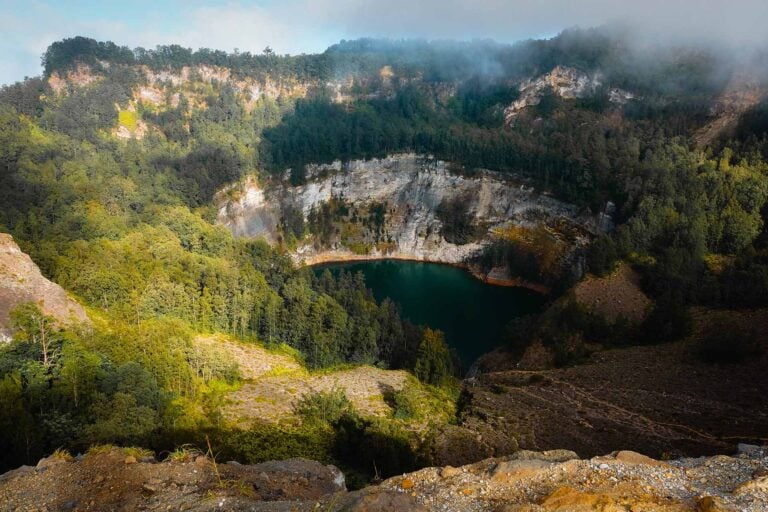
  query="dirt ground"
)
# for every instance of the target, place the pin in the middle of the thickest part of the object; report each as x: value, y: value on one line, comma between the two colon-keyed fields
x: 661, y: 400
x: 615, y: 295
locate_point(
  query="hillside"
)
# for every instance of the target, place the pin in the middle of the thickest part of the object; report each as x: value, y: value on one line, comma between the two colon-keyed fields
x: 179, y: 195
x: 21, y: 282
x: 402, y: 207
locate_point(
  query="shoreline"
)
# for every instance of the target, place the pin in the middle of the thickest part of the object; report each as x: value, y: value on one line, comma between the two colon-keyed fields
x: 331, y: 257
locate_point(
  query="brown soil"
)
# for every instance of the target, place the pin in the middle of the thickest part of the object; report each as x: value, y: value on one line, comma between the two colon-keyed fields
x: 654, y: 399
x: 616, y: 295
x: 112, y: 481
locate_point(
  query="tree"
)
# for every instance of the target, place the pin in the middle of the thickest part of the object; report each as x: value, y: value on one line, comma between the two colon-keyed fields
x: 35, y: 328
x: 433, y: 362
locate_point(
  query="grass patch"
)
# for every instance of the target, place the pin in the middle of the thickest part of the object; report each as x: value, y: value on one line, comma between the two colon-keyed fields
x: 138, y: 452
x: 97, y: 449
x: 62, y: 454
x: 184, y: 453
x: 128, y: 119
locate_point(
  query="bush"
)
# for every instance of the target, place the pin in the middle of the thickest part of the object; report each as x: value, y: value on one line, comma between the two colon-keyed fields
x: 670, y: 320
x: 404, y: 403
x: 729, y: 342
x: 267, y: 441
x: 434, y: 363
x: 323, y: 407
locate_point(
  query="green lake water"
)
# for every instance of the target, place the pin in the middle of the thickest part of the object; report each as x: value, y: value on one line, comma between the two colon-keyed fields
x: 472, y: 314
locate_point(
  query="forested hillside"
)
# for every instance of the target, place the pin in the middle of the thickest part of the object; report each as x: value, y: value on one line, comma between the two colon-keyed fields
x: 109, y: 163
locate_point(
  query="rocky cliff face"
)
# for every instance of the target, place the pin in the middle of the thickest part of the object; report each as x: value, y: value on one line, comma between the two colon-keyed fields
x: 524, y: 482
x: 565, y: 82
x: 409, y: 189
x: 163, y: 89
x: 22, y: 282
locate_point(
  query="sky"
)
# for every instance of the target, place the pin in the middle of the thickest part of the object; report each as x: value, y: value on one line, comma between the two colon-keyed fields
x: 308, y: 26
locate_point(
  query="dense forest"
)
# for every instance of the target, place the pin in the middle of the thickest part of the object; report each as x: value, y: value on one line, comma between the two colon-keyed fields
x: 128, y: 226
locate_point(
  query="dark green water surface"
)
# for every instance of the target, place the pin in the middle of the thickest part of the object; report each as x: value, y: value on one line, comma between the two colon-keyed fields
x: 471, y: 313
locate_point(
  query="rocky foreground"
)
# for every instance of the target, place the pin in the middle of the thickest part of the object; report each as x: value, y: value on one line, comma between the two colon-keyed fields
x: 116, y: 479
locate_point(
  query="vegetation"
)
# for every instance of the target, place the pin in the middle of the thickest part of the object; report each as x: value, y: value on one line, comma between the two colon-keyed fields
x: 128, y: 227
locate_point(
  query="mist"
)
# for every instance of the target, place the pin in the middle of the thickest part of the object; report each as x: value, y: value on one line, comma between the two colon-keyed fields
x: 734, y: 23
x: 309, y: 26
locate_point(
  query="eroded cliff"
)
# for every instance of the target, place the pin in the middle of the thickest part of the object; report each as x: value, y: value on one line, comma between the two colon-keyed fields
x: 390, y: 208
x: 22, y: 282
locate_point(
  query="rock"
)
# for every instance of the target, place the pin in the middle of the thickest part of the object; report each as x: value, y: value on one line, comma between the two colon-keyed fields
x: 69, y: 505
x: 233, y: 463
x: 412, y: 186
x: 758, y: 485
x: 338, y: 476
x: 16, y: 473
x: 47, y: 462
x: 130, y: 459
x: 149, y: 488
x: 449, y: 471
x: 382, y: 501
x: 511, y: 470
x: 566, y: 499
x: 747, y: 449
x: 319, y: 479
x: 630, y: 457
x: 712, y: 504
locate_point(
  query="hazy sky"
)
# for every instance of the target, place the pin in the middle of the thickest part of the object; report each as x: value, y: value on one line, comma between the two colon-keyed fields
x: 296, y: 26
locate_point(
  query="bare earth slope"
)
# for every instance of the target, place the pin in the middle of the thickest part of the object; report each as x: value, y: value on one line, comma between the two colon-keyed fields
x: 525, y: 482
x: 274, y: 382
x: 655, y: 399
x: 21, y: 282
x: 614, y: 296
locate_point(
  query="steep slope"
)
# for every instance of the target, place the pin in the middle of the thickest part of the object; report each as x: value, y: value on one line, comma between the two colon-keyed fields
x: 564, y: 82
x: 525, y: 482
x: 658, y: 399
x: 22, y: 282
x: 274, y: 382
x: 743, y: 91
x: 409, y: 190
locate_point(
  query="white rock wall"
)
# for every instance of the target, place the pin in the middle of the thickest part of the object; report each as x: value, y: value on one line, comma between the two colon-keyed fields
x: 411, y: 186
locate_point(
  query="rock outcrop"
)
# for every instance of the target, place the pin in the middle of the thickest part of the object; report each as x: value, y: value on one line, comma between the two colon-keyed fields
x: 523, y: 482
x: 410, y: 188
x: 22, y: 282
x: 564, y: 82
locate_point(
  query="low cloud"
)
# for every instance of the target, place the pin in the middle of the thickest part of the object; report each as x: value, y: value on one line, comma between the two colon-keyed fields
x: 305, y: 26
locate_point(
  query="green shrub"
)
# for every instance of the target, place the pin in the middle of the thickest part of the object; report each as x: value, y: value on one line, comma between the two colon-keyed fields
x: 434, y: 364
x: 267, y: 441
x: 323, y: 407
x: 405, y: 403
x: 729, y: 342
